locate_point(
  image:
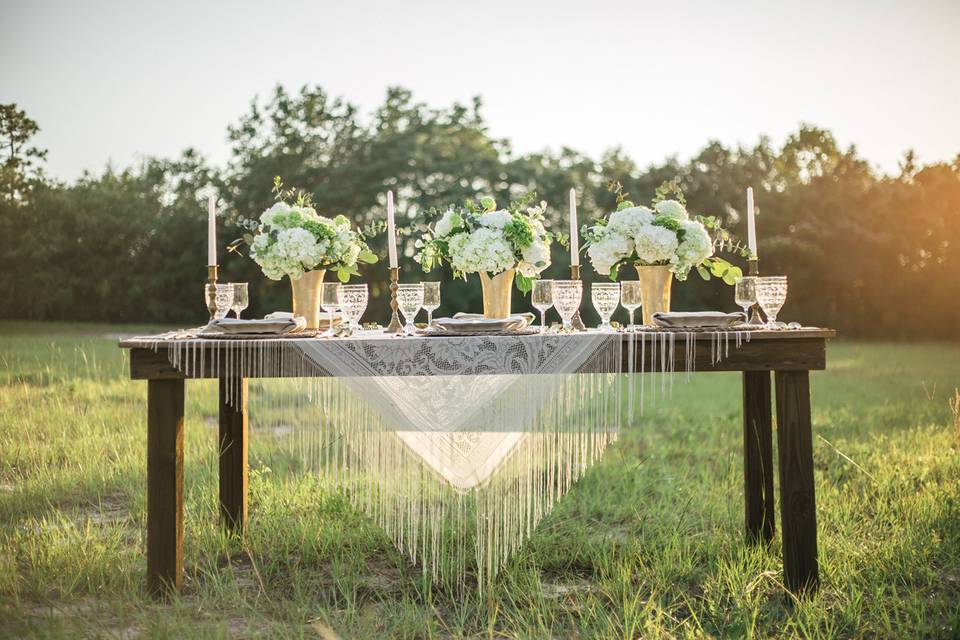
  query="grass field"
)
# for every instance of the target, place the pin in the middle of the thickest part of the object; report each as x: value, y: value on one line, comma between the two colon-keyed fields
x: 648, y: 544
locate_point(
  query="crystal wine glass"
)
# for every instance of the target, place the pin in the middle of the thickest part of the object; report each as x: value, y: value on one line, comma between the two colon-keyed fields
x: 605, y: 297
x: 241, y: 298
x: 567, y: 295
x: 630, y: 299
x: 771, y: 294
x: 410, y: 300
x: 431, y: 299
x: 330, y: 302
x: 542, y: 298
x: 745, y: 293
x: 352, y: 300
x: 219, y: 299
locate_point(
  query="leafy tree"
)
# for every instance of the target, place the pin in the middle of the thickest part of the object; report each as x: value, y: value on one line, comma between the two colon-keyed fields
x: 21, y: 160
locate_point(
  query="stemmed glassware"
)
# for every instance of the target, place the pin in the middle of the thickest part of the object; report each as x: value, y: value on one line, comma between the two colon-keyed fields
x: 219, y: 299
x: 330, y: 302
x: 410, y: 300
x: 241, y: 298
x: 431, y: 299
x: 771, y: 294
x: 630, y: 299
x: 745, y: 293
x: 542, y: 298
x: 605, y: 297
x: 352, y: 300
x: 567, y: 295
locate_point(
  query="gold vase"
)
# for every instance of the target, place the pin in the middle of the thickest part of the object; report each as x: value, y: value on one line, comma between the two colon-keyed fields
x: 654, y: 289
x: 496, y: 294
x: 306, y: 296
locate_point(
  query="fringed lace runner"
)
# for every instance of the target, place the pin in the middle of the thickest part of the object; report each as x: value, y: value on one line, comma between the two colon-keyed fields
x: 457, y: 446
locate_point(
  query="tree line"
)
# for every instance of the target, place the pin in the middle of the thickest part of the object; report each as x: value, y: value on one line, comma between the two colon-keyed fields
x: 874, y: 255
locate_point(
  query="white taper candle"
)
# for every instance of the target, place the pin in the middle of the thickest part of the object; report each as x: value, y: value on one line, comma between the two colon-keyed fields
x: 574, y: 237
x: 211, y: 230
x: 391, y: 231
x: 751, y: 225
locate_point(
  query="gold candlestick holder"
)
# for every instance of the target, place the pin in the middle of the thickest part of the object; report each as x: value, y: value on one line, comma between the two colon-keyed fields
x: 576, y: 321
x: 212, y: 299
x: 753, y: 269
x: 394, y: 327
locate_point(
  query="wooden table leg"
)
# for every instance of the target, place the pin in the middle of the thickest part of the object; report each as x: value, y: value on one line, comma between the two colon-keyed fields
x: 758, y: 456
x: 798, y: 515
x: 164, y: 485
x: 233, y: 454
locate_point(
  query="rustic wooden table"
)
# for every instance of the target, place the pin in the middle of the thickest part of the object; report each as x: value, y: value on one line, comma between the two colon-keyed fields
x: 790, y: 355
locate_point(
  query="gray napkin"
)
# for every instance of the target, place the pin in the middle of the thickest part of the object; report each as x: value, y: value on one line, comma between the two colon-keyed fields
x: 698, y: 319
x: 476, y: 322
x: 274, y: 323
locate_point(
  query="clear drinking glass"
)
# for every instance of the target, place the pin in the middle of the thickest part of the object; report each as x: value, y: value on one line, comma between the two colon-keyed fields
x: 567, y: 295
x: 219, y: 299
x: 431, y: 299
x: 352, y: 300
x: 630, y: 299
x: 330, y: 302
x: 542, y: 298
x: 605, y: 297
x: 410, y: 300
x: 745, y: 293
x: 771, y: 294
x: 241, y: 298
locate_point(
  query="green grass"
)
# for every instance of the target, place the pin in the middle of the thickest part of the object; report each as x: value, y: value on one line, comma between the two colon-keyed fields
x: 648, y: 544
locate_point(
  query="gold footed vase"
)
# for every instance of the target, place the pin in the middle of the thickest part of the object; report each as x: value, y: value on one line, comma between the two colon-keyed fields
x: 496, y: 294
x: 655, y: 284
x: 306, y: 296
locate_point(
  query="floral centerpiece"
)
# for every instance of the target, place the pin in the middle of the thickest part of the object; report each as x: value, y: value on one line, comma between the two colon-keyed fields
x: 662, y: 241
x: 294, y: 240
x: 502, y: 245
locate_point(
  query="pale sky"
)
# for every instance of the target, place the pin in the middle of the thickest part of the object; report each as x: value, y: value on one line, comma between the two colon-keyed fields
x: 113, y: 81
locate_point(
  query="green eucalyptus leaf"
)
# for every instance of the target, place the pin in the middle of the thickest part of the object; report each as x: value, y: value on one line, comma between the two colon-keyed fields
x: 702, y: 270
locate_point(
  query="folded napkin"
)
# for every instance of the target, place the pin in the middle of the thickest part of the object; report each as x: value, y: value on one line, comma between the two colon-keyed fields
x: 274, y: 323
x: 698, y: 319
x: 476, y: 322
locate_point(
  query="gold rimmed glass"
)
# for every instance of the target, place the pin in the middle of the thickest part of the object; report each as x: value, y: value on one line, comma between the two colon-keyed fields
x: 542, y: 299
x: 431, y: 299
x: 630, y: 299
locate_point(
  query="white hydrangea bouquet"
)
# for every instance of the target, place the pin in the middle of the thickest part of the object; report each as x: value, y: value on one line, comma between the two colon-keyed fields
x: 291, y: 239
x: 480, y: 238
x: 664, y: 234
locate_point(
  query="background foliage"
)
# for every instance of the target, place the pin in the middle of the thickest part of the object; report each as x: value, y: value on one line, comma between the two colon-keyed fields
x: 872, y: 254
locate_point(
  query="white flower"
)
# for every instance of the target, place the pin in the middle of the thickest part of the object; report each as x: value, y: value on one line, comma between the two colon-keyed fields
x: 672, y: 209
x: 266, y: 218
x: 629, y: 221
x: 695, y: 248
x: 536, y: 258
x: 655, y: 245
x: 446, y: 224
x: 484, y: 249
x: 496, y: 219
x: 609, y: 250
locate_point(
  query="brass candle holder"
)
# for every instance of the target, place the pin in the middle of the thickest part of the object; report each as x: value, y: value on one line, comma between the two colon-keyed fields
x: 212, y: 281
x: 576, y: 321
x: 394, y: 327
x: 753, y: 269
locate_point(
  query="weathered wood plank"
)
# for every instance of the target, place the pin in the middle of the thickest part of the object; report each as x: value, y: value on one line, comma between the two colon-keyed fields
x: 798, y: 516
x: 165, y: 402
x: 785, y: 354
x: 233, y: 454
x: 758, y: 456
